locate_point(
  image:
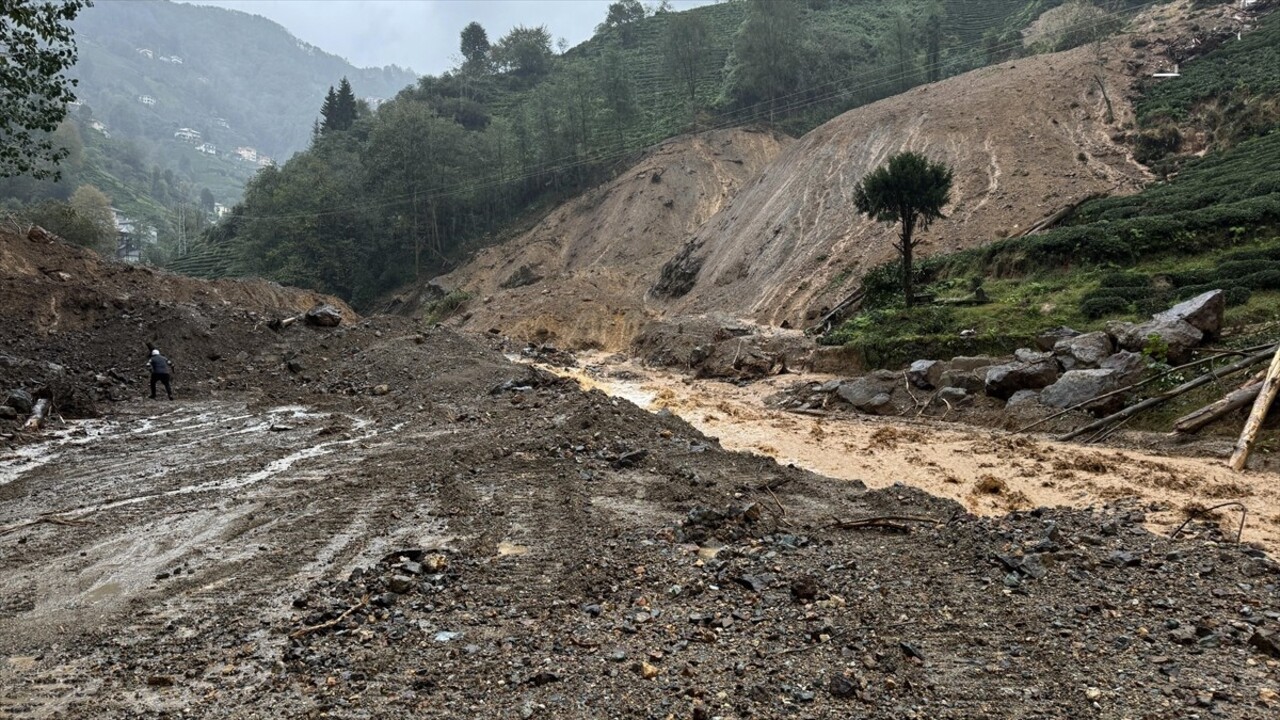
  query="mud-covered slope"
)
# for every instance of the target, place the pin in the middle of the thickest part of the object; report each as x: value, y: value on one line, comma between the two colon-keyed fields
x: 580, y: 275
x: 1026, y: 139
x: 77, y: 327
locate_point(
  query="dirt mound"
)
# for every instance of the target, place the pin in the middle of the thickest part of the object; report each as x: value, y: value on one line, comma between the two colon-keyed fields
x: 80, y: 327
x: 1026, y: 138
x: 579, y: 277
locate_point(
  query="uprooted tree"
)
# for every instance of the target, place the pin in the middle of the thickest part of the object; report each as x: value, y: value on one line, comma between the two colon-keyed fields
x: 36, y: 49
x: 910, y: 190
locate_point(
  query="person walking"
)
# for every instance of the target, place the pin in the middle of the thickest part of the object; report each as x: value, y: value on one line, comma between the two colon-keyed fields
x: 161, y: 368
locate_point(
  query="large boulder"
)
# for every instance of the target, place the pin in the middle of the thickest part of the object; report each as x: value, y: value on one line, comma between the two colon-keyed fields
x: 1077, y: 387
x: 21, y: 401
x: 1179, y: 336
x: 1129, y: 366
x: 871, y: 393
x: 966, y: 380
x: 1025, y: 355
x: 1084, y: 351
x: 1002, y: 381
x: 324, y: 316
x: 1203, y: 312
x: 925, y: 374
x: 1049, y: 339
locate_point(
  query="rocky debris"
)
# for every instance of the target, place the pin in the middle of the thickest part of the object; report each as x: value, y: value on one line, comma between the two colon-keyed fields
x: 8, y: 412
x: 925, y: 374
x: 548, y: 354
x: 1129, y: 366
x: 1078, y: 387
x: 721, y: 347
x: 20, y: 400
x: 967, y: 380
x: 323, y: 315
x: 1002, y: 381
x: 1048, y: 340
x: 1084, y: 351
x: 1203, y: 312
x: 871, y: 393
x: 1173, y: 337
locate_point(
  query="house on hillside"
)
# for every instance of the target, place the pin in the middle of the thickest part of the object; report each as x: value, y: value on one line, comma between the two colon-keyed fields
x: 265, y: 161
x: 146, y: 100
x: 148, y: 54
x: 247, y: 154
x: 171, y: 59
x: 219, y: 210
x: 187, y: 134
x: 131, y: 237
x: 207, y: 148
x: 222, y: 123
x: 97, y: 125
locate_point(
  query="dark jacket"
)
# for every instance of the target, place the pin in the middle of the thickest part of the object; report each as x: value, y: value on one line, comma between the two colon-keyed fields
x: 159, y: 365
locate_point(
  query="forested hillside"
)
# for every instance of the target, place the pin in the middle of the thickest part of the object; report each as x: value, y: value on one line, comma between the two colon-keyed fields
x: 518, y: 126
x: 168, y: 93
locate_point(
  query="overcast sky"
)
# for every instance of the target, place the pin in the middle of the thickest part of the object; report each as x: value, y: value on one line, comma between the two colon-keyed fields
x: 421, y: 34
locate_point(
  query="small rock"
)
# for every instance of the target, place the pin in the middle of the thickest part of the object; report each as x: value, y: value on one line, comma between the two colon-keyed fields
x: 381, y: 389
x: 841, y: 687
x: 647, y: 670
x: 400, y: 584
x: 21, y: 401
x: 1267, y: 642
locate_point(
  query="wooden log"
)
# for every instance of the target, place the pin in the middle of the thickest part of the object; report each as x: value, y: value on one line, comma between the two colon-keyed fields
x: 848, y: 304
x: 1192, y: 384
x: 1266, y: 395
x: 1194, y: 422
x: 38, y: 414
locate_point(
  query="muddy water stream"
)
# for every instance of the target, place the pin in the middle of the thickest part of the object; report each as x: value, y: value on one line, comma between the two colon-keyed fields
x: 987, y: 471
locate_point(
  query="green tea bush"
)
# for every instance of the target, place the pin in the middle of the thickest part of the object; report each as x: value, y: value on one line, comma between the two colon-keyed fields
x: 1103, y: 305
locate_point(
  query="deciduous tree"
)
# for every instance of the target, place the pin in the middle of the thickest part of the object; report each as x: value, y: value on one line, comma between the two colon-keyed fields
x: 909, y: 190
x: 36, y: 49
x: 684, y: 47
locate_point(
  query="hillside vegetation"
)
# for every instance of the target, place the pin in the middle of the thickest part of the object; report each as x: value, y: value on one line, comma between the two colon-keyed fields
x: 455, y: 159
x: 1215, y: 223
x: 148, y: 69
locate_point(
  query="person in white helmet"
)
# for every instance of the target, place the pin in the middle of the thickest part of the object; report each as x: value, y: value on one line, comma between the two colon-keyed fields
x: 161, y: 368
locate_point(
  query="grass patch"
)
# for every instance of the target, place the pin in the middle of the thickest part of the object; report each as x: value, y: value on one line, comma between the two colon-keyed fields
x: 445, y: 307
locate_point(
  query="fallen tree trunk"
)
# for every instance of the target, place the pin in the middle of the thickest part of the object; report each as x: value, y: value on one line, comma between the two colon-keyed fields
x: 1059, y: 216
x: 38, y: 414
x: 1266, y: 395
x: 1197, y: 420
x: 848, y: 304
x: 1170, y: 394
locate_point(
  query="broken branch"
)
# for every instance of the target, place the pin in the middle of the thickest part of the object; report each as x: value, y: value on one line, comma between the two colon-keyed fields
x: 303, y: 632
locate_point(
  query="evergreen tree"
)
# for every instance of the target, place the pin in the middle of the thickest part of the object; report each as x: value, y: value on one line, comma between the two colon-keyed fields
x: 329, y: 111
x: 347, y: 107
x: 475, y: 48
x: 909, y: 190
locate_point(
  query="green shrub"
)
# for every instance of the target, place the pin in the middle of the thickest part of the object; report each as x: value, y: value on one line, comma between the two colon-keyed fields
x: 1101, y: 306
x: 1264, y: 280
x: 1124, y: 280
x: 1198, y: 276
x: 1237, y: 295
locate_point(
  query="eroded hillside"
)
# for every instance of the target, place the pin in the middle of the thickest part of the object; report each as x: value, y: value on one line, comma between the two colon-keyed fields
x: 580, y: 275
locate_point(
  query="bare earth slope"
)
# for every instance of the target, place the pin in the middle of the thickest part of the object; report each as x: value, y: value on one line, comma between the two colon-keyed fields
x: 1025, y: 138
x: 580, y: 276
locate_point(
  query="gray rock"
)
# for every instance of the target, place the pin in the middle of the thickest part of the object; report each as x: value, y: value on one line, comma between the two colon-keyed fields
x: 1179, y: 335
x: 1084, y: 351
x: 8, y: 413
x: 400, y: 584
x: 925, y: 374
x: 1203, y: 312
x: 1081, y: 386
x: 1031, y: 356
x: 324, y: 316
x: 969, y: 382
x: 1023, y: 397
x: 966, y: 363
x: 1130, y: 366
x: 21, y: 401
x: 870, y: 393
x: 1048, y: 339
x: 955, y: 396
x: 1003, y: 381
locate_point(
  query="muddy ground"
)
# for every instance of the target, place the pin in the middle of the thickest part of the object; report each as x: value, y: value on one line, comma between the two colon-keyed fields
x: 410, y: 524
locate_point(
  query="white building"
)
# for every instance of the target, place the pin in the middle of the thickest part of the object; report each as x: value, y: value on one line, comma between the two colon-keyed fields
x: 264, y: 161
x: 207, y: 148
x: 247, y: 154
x: 187, y: 134
x: 97, y: 125
x: 148, y: 54
x: 146, y: 100
x: 131, y: 237
x: 220, y: 210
